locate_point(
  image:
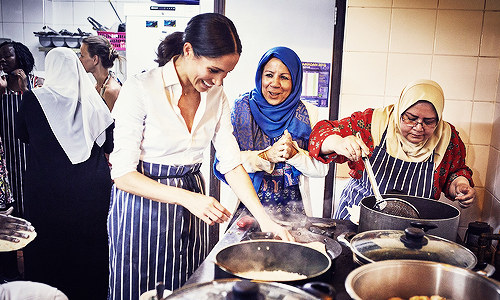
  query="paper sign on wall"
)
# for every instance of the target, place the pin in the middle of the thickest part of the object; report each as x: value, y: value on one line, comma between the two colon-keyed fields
x: 316, y: 83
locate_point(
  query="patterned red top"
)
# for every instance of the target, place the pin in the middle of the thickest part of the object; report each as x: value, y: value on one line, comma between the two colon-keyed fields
x: 452, y: 165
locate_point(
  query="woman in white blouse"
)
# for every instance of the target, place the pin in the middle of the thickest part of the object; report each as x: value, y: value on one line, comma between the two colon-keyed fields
x: 165, y: 119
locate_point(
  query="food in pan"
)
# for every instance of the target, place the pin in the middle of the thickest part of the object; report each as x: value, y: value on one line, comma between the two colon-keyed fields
x: 276, y: 275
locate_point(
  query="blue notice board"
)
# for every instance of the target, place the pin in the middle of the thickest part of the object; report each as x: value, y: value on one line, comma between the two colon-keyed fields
x: 316, y: 83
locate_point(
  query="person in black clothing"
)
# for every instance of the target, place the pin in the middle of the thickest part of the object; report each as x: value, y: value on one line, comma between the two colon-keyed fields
x: 67, y: 184
x: 16, y: 66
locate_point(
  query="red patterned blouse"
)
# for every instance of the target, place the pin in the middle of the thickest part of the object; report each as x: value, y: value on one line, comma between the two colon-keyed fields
x: 452, y: 165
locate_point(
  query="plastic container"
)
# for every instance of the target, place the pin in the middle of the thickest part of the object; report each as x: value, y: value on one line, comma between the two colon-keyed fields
x: 117, y: 39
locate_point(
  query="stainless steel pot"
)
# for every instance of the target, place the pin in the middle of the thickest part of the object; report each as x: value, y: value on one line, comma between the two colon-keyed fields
x: 237, y: 289
x: 439, y: 218
x: 379, y: 245
x: 272, y: 255
x: 407, y: 278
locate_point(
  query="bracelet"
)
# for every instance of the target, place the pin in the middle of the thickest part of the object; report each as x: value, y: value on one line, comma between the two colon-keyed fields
x: 263, y: 155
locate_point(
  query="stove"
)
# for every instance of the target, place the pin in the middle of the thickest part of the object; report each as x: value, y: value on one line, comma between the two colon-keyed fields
x: 304, y: 231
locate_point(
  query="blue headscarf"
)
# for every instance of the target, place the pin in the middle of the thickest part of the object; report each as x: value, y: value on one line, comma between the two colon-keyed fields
x: 274, y: 119
x: 271, y: 119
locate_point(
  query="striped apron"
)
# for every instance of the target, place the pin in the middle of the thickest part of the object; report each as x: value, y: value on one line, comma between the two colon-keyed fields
x: 152, y: 242
x: 14, y: 149
x: 391, y: 174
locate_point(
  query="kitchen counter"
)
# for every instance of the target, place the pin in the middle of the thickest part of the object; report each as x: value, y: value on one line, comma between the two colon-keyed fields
x: 342, y: 265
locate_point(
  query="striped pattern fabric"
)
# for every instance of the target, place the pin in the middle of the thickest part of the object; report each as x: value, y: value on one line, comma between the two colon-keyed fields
x: 409, y: 178
x: 154, y: 242
x: 15, y: 150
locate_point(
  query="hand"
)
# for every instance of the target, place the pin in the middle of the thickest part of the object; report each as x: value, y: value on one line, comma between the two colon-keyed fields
x: 279, y: 231
x: 465, y: 194
x: 282, y: 150
x: 20, y: 80
x: 208, y: 209
x: 39, y: 81
x: 3, y: 81
x: 10, y: 227
x: 351, y: 147
x: 461, y: 190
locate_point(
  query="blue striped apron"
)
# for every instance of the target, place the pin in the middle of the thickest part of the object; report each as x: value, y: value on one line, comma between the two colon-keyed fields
x: 409, y: 178
x: 151, y: 241
x: 14, y: 150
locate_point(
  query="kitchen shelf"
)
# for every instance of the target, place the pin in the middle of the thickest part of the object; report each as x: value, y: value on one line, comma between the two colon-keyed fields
x: 47, y: 49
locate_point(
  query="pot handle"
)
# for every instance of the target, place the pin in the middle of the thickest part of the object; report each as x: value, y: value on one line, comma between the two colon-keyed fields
x: 333, y: 249
x: 345, y: 239
x: 425, y: 226
x: 320, y: 289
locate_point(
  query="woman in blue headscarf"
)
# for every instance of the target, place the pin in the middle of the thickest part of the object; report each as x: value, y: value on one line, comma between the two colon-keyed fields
x: 272, y: 126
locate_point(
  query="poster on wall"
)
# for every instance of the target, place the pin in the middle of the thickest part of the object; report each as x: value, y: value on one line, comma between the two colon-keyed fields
x: 316, y: 83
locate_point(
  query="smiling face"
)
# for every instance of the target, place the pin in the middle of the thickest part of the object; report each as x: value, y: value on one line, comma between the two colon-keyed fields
x: 422, y: 113
x: 207, y: 72
x: 8, y: 59
x: 276, y: 81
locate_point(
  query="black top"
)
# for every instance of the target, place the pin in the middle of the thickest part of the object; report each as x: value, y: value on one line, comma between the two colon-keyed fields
x: 68, y: 205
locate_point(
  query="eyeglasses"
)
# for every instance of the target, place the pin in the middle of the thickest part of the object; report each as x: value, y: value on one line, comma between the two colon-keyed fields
x: 413, y: 122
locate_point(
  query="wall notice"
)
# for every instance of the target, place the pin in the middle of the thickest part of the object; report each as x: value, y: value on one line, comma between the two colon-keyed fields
x: 316, y: 83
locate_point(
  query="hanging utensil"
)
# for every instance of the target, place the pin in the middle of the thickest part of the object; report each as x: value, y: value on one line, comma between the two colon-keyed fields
x: 50, y: 30
x: 121, y: 27
x: 97, y: 25
x: 392, y: 206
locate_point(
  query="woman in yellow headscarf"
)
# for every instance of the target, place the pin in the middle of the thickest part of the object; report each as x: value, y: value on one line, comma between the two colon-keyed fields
x: 412, y: 149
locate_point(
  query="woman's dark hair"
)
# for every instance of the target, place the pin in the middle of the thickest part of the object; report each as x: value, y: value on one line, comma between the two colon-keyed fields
x: 100, y: 46
x: 211, y: 35
x: 24, y: 58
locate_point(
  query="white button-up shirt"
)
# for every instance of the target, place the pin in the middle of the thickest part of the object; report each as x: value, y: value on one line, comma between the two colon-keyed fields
x: 149, y: 125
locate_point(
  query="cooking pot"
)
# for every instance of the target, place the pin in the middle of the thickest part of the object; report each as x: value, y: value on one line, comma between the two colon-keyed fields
x: 272, y: 255
x: 439, y: 218
x: 379, y: 245
x: 407, y: 278
x: 237, y: 289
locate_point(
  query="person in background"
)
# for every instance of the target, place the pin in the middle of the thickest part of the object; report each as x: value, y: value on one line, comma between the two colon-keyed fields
x: 16, y: 66
x: 409, y: 139
x: 10, y: 230
x: 68, y: 130
x: 165, y: 120
x: 97, y: 56
x: 272, y: 126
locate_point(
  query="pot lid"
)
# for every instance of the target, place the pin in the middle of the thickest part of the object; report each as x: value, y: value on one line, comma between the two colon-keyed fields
x: 378, y: 245
x: 236, y: 289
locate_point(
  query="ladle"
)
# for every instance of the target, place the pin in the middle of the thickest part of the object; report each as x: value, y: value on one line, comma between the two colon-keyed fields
x: 392, y: 206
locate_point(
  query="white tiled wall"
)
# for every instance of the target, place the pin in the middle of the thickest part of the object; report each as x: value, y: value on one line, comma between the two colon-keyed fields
x: 389, y: 43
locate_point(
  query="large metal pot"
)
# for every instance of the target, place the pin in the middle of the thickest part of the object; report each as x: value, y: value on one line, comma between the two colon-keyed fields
x: 441, y: 219
x: 272, y: 255
x: 380, y: 245
x: 237, y: 289
x: 408, y: 278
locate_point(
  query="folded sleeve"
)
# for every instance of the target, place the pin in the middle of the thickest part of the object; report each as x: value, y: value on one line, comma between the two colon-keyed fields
x: 225, y: 144
x: 129, y: 114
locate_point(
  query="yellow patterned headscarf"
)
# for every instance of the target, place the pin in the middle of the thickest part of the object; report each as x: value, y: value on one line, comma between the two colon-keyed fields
x: 390, y: 118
